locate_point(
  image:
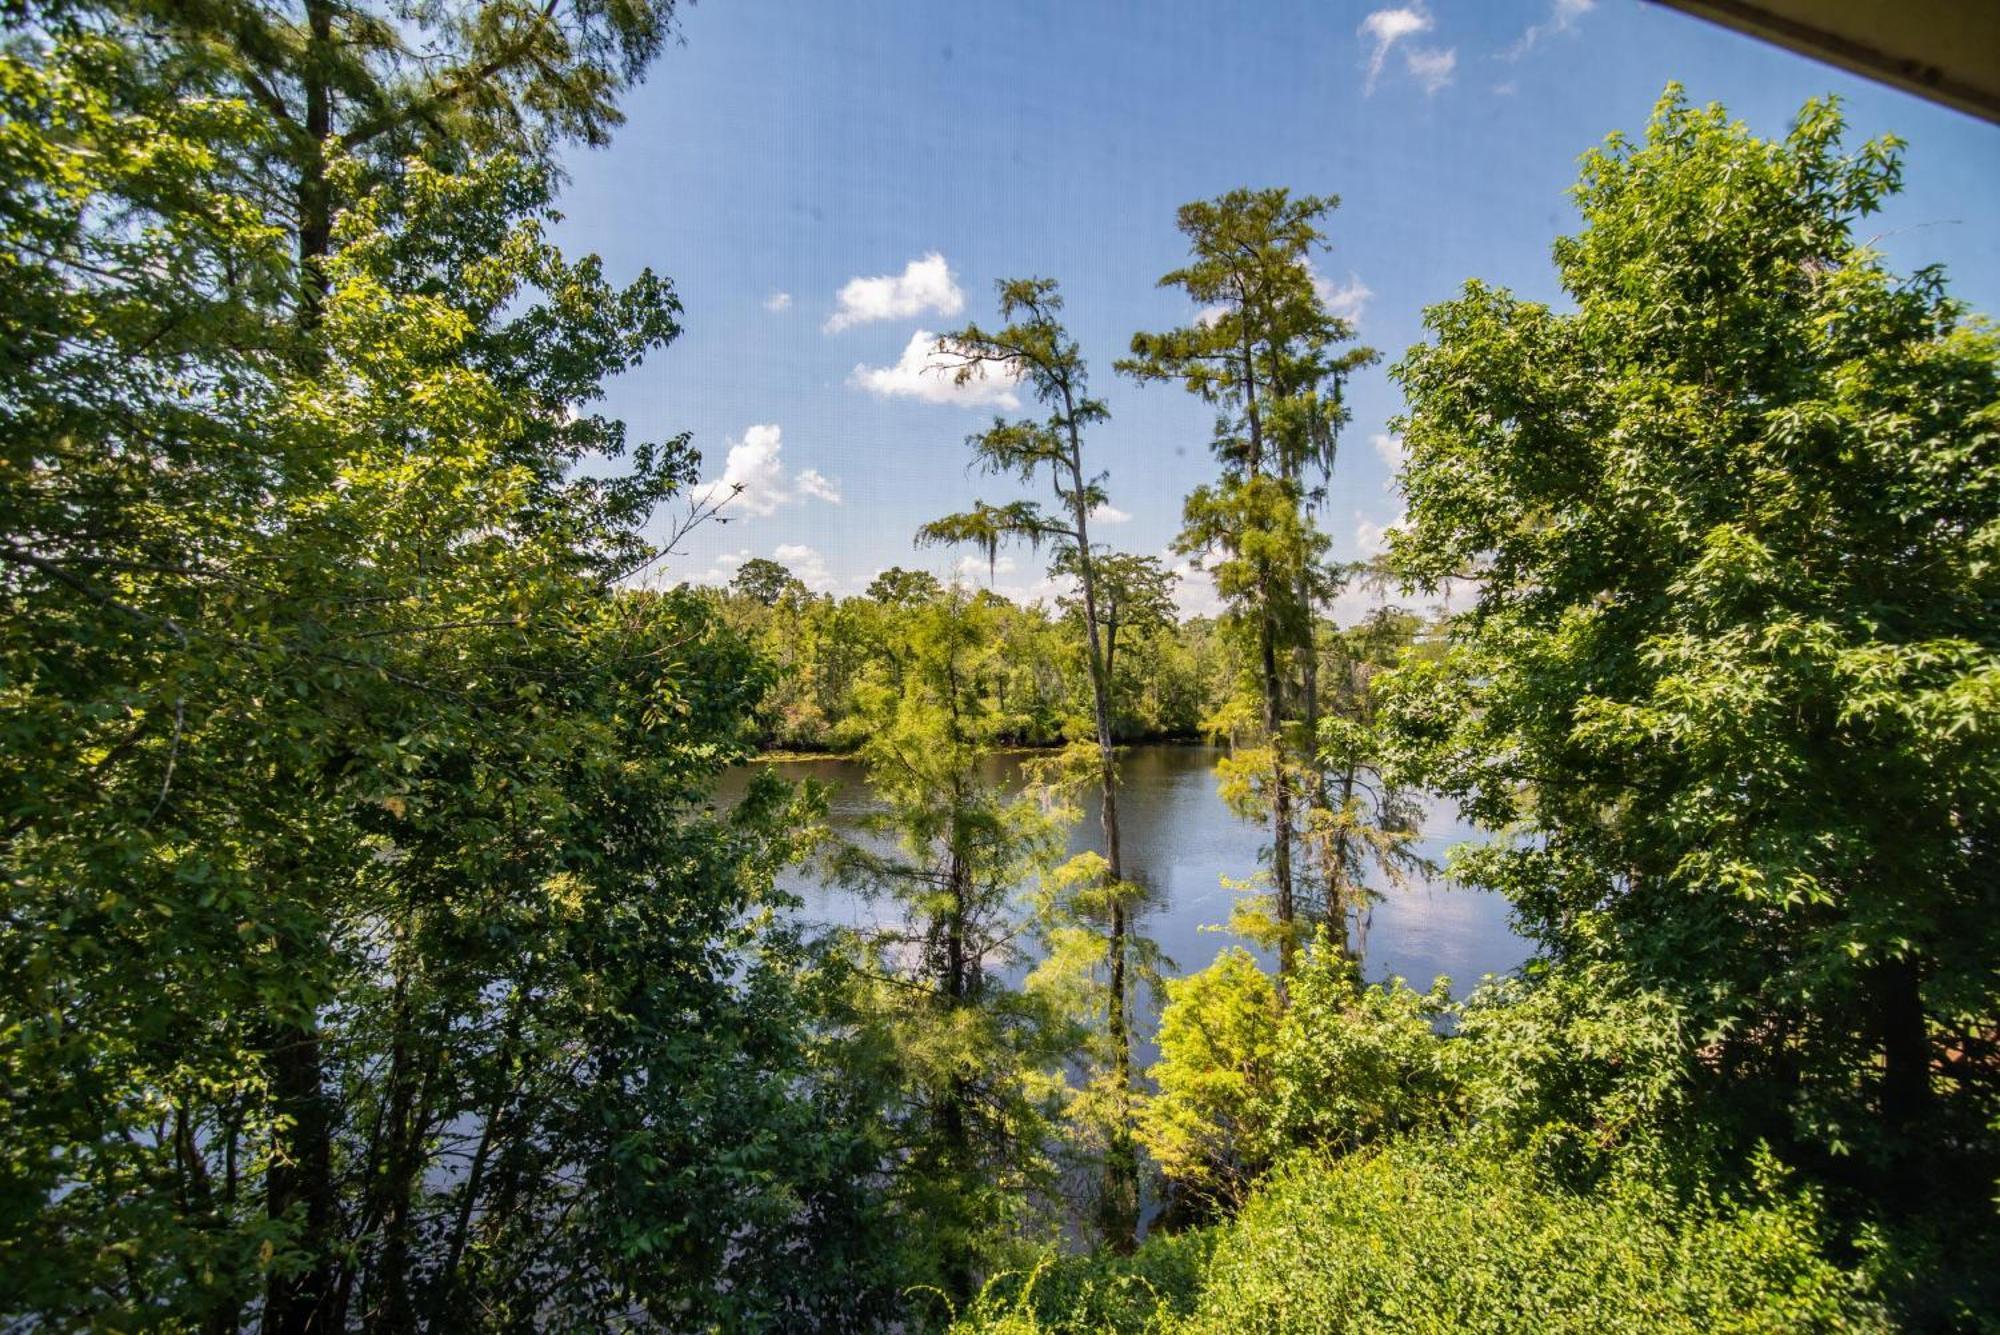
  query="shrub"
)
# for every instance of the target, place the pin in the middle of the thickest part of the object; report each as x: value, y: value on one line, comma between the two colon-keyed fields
x: 1423, y: 1237
x: 1102, y: 1293
x: 1354, y: 1065
x: 1207, y: 1126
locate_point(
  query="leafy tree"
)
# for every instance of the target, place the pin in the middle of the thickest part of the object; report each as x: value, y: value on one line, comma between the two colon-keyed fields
x: 373, y: 956
x: 1356, y: 1066
x: 764, y: 580
x: 1036, y: 349
x: 1208, y: 1125
x: 977, y: 1062
x: 326, y: 81
x: 1135, y: 594
x: 897, y: 587
x: 1265, y: 352
x: 1731, y: 662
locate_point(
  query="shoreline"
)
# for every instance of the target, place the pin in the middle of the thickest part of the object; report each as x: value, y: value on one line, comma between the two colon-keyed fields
x: 779, y: 755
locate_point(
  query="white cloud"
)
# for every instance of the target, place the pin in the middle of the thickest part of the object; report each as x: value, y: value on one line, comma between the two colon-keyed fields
x: 811, y: 482
x: 1208, y: 315
x: 1386, y: 27
x: 1563, y: 15
x: 1389, y: 449
x: 722, y: 569
x: 806, y: 563
x: 1370, y: 538
x: 974, y: 569
x: 778, y: 301
x: 1194, y: 591
x: 926, y: 371
x: 753, y: 481
x: 1346, y: 300
x: 802, y: 561
x: 1507, y: 89
x: 1035, y: 585
x: 1109, y: 514
x: 924, y: 286
x: 1431, y: 68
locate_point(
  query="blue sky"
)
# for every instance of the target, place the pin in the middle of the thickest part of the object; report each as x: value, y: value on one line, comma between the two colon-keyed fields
x: 789, y: 149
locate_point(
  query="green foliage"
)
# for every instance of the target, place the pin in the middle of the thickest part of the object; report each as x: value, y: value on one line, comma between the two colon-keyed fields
x: 373, y: 955
x: 1419, y: 1238
x: 1243, y: 1080
x: 1583, y: 1070
x: 1424, y: 1237
x: 830, y: 652
x: 1208, y: 1126
x: 972, y: 1067
x: 1729, y: 672
x: 1145, y: 1291
x: 1355, y: 1065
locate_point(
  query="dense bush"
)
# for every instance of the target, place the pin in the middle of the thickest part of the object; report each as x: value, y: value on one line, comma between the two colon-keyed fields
x: 1430, y: 1238
x: 1425, y: 1238
x: 1243, y: 1079
x: 1103, y: 1292
x: 1354, y: 1065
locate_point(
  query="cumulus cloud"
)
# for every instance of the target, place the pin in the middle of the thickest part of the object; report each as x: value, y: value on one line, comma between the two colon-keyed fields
x: 806, y: 563
x: 1431, y: 67
x: 1194, y: 591
x: 778, y: 301
x: 1389, y: 449
x: 811, y: 482
x: 1109, y: 514
x: 1370, y: 538
x: 1563, y: 16
x: 1035, y: 585
x: 723, y: 568
x: 1346, y: 300
x: 753, y: 480
x: 803, y: 561
x: 927, y: 371
x: 925, y: 286
x: 970, y: 569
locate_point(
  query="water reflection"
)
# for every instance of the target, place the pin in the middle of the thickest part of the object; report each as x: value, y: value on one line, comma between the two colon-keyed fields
x: 1181, y: 841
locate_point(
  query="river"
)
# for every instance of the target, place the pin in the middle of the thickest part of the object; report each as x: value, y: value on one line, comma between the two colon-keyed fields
x: 1181, y: 841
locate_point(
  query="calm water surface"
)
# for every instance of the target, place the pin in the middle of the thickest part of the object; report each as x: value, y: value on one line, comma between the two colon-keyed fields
x: 1181, y: 841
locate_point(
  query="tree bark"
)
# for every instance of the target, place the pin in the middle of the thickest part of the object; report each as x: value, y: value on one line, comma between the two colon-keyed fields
x: 301, y: 1178
x: 1281, y: 797
x: 315, y: 195
x: 1120, y: 1214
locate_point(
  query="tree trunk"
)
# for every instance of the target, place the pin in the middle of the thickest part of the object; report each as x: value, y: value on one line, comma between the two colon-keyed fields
x: 301, y: 1178
x: 959, y: 1260
x: 1309, y: 697
x: 315, y: 194
x: 1336, y: 875
x: 1281, y: 797
x: 1120, y: 1213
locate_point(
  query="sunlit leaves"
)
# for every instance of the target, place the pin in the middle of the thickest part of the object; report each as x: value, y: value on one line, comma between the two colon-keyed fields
x: 1730, y: 652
